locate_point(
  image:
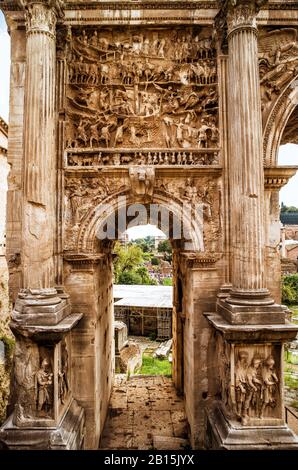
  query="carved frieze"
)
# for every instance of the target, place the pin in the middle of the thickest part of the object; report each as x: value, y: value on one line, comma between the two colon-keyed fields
x: 93, y: 158
x: 142, y: 89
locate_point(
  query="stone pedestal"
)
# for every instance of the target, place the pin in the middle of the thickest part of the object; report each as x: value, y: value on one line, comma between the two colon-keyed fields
x: 251, y: 411
x: 120, y: 334
x: 46, y: 416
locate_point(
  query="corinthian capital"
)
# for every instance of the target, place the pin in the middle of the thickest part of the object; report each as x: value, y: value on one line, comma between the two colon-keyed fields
x: 240, y: 13
x: 41, y: 15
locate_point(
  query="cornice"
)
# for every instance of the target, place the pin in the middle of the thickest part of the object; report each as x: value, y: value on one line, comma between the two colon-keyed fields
x: 200, y: 260
x: 81, y: 259
x: 13, y: 5
x: 143, y: 5
x: 278, y: 176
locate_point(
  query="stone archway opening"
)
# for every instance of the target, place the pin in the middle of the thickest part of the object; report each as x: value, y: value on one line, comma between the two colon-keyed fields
x: 146, y: 410
x: 288, y: 155
x: 89, y: 281
x: 288, y: 251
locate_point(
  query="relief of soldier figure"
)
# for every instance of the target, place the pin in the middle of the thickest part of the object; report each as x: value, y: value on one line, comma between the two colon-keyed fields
x: 44, y: 378
x: 256, y: 386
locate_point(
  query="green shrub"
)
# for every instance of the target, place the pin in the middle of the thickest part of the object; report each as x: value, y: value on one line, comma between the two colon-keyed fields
x: 290, y: 289
x: 129, y: 277
x: 155, y: 261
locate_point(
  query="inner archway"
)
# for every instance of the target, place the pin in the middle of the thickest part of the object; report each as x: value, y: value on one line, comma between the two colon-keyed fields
x: 146, y: 411
x: 89, y: 281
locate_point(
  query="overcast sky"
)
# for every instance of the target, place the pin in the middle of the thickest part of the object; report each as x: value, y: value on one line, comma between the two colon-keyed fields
x: 288, y: 153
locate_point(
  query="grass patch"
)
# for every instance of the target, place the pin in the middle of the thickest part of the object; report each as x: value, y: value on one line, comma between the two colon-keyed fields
x: 294, y: 309
x: 291, y: 383
x: 155, y: 366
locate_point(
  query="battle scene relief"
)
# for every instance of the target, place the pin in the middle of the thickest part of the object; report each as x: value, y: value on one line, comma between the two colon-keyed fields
x: 133, y: 89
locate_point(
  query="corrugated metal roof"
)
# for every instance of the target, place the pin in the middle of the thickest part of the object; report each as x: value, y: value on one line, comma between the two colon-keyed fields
x: 143, y: 296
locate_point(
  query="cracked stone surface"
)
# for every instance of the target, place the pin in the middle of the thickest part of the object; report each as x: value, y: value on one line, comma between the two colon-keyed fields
x: 145, y: 413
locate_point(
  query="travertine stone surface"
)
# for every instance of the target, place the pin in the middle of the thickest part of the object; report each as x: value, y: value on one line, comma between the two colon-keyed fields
x: 245, y: 152
x: 39, y: 144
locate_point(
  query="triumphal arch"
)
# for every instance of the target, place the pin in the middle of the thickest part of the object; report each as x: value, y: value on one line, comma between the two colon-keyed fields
x: 122, y: 105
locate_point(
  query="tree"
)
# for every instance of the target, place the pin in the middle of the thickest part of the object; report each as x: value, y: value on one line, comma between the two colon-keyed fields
x: 285, y: 208
x: 164, y: 247
x: 147, y: 244
x: 128, y: 258
x: 142, y: 271
x: 129, y: 277
x: 155, y: 261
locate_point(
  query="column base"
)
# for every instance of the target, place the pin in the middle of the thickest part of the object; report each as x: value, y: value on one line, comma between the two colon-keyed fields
x: 250, y: 314
x: 224, y: 291
x: 69, y: 435
x: 224, y: 434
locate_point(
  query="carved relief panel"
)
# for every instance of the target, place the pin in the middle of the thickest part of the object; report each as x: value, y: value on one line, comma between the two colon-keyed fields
x: 278, y: 63
x: 255, y: 383
x: 249, y: 381
x: 34, y: 375
x: 42, y: 383
x: 201, y: 195
x: 136, y: 89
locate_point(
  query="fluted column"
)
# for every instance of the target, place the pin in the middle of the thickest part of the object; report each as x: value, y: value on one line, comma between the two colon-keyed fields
x: 245, y: 154
x: 39, y: 143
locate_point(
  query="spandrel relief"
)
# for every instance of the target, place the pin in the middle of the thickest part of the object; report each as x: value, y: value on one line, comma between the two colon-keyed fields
x: 278, y: 62
x: 85, y: 193
x: 201, y: 195
x: 142, y: 89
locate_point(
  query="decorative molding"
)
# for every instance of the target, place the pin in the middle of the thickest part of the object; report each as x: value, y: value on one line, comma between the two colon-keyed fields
x: 277, y: 177
x: 201, y: 260
x: 83, y: 260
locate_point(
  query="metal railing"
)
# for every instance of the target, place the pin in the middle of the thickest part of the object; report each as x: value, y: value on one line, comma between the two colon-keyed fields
x: 290, y: 412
